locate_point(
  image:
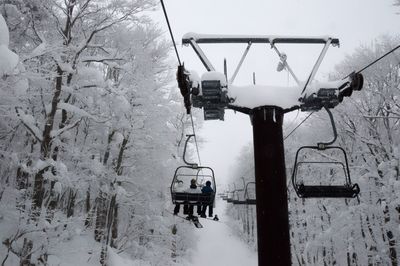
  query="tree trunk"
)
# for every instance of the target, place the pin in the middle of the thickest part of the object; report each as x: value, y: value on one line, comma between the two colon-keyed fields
x: 118, y: 168
x: 89, y: 212
x: 107, y: 153
x: 45, y: 148
x: 71, y: 202
x: 114, y: 229
x: 391, y: 238
x: 26, y: 253
x: 101, y: 216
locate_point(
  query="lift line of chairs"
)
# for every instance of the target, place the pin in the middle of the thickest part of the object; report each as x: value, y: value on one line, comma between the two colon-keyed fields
x: 314, y: 189
x: 233, y: 196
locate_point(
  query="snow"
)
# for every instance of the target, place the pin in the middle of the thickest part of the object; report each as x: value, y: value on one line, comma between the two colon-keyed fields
x: 214, y: 75
x: 74, y: 110
x: 217, y: 245
x: 253, y: 96
x: 115, y: 259
x: 41, y: 49
x: 8, y: 59
x: 4, y: 34
x: 314, y: 86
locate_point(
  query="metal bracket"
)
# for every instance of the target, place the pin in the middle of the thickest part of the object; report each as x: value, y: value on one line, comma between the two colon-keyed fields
x: 323, y: 145
x: 193, y: 165
x: 207, y: 64
x: 240, y: 63
x: 284, y: 62
x: 317, y: 64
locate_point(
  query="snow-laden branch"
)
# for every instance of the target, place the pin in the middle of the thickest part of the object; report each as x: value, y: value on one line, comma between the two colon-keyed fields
x: 29, y: 122
x: 58, y: 132
x: 78, y: 111
x: 99, y: 59
x: 381, y: 117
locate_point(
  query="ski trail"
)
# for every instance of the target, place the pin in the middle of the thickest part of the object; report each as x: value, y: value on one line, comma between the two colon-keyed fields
x: 218, y: 246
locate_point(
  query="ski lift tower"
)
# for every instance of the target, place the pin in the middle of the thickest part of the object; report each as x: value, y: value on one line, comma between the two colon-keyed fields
x: 213, y: 96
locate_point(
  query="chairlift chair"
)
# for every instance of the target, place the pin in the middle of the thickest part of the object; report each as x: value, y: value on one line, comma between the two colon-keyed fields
x: 181, y: 181
x: 224, y: 195
x: 236, y: 197
x: 230, y: 197
x: 345, y: 190
x: 249, y: 200
x: 180, y: 184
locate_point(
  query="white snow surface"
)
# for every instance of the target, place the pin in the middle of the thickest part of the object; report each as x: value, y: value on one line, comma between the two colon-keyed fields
x: 253, y: 96
x: 214, y: 75
x: 4, y: 33
x: 217, y: 244
x: 8, y: 59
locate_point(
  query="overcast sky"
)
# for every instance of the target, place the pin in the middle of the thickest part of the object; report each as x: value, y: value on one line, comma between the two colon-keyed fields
x: 354, y: 22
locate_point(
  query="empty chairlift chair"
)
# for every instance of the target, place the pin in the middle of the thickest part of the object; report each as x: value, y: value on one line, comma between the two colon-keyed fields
x: 311, y: 181
x: 250, y: 194
x: 238, y: 197
x: 230, y: 197
x: 248, y: 197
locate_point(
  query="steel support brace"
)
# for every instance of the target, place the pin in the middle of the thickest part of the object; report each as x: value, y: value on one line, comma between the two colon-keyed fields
x: 271, y: 192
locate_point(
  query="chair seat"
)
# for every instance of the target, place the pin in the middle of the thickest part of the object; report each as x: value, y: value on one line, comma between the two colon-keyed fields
x: 306, y: 191
x: 251, y: 201
x: 192, y: 198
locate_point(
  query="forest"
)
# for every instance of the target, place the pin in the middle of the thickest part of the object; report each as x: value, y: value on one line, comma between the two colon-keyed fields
x: 93, y: 124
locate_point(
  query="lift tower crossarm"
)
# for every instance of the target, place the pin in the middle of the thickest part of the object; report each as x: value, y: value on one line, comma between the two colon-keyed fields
x: 195, y: 39
x: 216, y: 38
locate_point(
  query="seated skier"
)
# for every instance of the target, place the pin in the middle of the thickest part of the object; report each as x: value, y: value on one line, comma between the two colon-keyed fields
x: 207, y: 189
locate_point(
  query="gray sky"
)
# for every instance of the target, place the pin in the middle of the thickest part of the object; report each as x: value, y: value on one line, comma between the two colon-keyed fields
x: 354, y: 22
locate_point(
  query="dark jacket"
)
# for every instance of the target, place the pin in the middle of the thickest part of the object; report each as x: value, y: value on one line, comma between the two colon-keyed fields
x: 207, y: 190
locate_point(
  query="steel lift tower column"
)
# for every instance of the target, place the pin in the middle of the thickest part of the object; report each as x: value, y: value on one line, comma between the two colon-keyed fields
x: 271, y: 192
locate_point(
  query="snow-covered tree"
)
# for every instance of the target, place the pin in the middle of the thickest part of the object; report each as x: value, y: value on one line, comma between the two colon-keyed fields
x: 89, y: 137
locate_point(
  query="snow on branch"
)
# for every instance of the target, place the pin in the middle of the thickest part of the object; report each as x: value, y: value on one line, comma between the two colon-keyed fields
x: 55, y: 133
x: 77, y: 111
x: 99, y: 59
x: 29, y: 122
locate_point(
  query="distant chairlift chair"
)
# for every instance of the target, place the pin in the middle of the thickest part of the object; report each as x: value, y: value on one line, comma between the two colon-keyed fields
x: 247, y: 199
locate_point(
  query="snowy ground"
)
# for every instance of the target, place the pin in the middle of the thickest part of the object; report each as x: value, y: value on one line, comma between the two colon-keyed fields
x: 219, y: 246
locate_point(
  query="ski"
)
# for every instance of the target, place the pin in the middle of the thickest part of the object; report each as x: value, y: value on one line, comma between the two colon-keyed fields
x: 196, y: 222
x: 215, y: 219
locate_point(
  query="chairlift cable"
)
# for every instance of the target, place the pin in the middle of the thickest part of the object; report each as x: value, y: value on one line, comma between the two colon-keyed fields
x: 195, y: 138
x: 304, y: 120
x: 170, y: 32
x: 180, y: 64
x: 376, y: 60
